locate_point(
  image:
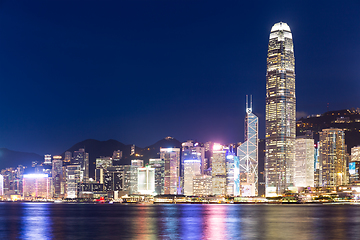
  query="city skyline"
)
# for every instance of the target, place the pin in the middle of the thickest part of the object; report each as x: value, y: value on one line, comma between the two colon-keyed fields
x: 138, y: 72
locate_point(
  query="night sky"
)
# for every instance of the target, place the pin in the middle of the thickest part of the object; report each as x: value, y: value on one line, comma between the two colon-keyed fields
x: 138, y: 71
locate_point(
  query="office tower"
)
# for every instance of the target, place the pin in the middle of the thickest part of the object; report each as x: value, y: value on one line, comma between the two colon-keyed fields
x: 158, y: 164
x: 171, y: 158
x: 9, y: 180
x: 354, y: 165
x: 127, y: 177
x: 57, y: 176
x: 36, y: 186
x: 82, y: 158
x: 248, y: 154
x: 68, y: 157
x: 304, y: 162
x: 13, y: 180
x: 146, y: 180
x: 1, y: 185
x: 202, y: 185
x: 230, y: 174
x: 332, y: 158
x: 236, y: 176
x: 194, y: 151
x: 355, y: 154
x: 18, y: 182
x: 192, y: 167
x: 316, y: 164
x: 193, y: 156
x: 280, y: 111
x: 104, y: 162
x: 73, y: 172
x: 47, y: 159
x: 113, y: 178
x: 135, y: 164
x: 117, y: 155
x: 132, y: 150
x: 218, y: 170
x: 208, y: 153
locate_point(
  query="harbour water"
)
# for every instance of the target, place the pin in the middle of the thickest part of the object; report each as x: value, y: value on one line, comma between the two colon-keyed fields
x: 115, y: 221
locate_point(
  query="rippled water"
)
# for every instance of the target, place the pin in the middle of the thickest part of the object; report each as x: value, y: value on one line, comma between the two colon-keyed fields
x: 105, y: 221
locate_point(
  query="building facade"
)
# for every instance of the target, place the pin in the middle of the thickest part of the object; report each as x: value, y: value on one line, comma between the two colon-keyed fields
x: 280, y: 111
x: 332, y: 160
x: 304, y: 163
x: 218, y: 170
x: 202, y: 185
x: 158, y: 164
x: 146, y: 180
x: 135, y: 164
x: 36, y: 186
x: 248, y: 154
x: 171, y: 158
x: 72, y: 180
x: 82, y: 158
x: 57, y: 177
x: 192, y: 167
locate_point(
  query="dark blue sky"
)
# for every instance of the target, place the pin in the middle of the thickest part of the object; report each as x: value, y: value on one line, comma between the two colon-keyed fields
x: 138, y: 71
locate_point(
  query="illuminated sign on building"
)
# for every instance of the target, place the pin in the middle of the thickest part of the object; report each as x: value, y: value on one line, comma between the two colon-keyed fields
x: 352, y: 168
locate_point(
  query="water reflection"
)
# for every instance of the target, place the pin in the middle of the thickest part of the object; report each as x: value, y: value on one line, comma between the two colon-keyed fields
x: 214, y: 221
x: 145, y: 222
x: 88, y: 221
x: 35, y: 221
x: 191, y: 221
x: 168, y: 224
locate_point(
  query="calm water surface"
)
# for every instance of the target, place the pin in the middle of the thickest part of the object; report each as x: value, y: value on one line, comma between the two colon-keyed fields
x: 104, y: 221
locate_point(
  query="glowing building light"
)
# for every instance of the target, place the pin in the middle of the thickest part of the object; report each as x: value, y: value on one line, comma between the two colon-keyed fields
x: 35, y: 175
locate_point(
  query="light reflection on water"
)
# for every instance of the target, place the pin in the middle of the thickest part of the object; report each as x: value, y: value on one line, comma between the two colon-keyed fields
x: 36, y: 222
x: 104, y: 221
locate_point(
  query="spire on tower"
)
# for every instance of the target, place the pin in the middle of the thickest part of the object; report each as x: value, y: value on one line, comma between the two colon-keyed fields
x: 248, y: 107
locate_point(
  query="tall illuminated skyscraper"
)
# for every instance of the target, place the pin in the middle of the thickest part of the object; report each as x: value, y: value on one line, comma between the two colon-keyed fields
x: 332, y: 158
x: 248, y: 155
x: 304, y: 162
x: 218, y: 169
x: 171, y: 158
x: 82, y: 158
x: 280, y: 111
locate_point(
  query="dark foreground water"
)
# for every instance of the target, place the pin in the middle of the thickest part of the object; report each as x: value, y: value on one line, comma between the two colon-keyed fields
x: 104, y: 221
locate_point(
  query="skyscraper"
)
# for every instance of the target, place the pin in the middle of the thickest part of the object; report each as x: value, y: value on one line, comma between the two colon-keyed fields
x: 218, y: 169
x: 304, y: 162
x: 146, y: 180
x: 36, y: 186
x: 171, y: 158
x: 192, y: 163
x: 82, y: 158
x: 72, y: 180
x: 280, y: 111
x: 57, y: 176
x: 332, y: 157
x: 248, y: 155
x: 135, y: 164
x: 159, y: 165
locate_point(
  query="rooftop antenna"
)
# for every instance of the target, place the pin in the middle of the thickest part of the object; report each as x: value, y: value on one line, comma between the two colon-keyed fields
x: 247, y: 102
x: 248, y: 107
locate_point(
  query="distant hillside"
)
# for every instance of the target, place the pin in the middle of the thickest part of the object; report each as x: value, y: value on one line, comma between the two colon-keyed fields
x: 97, y: 148
x: 9, y: 158
x: 153, y: 151
x: 347, y: 119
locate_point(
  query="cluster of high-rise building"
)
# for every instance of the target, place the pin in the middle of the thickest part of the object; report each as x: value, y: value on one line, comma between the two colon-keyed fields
x: 297, y: 162
x: 292, y: 163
